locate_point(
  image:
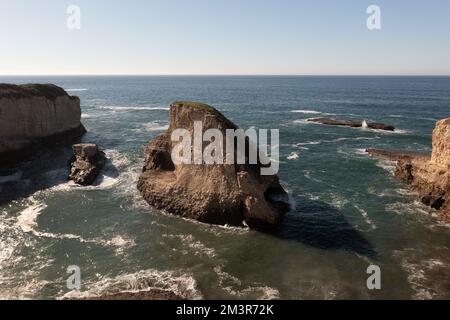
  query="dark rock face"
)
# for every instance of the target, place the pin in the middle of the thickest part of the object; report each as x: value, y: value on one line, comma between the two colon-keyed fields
x: 86, y: 163
x: 34, y: 115
x: 352, y: 123
x: 429, y: 175
x: 226, y: 194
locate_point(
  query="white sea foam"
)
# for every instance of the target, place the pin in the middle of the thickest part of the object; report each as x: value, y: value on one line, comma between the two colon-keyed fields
x: 76, y: 90
x: 122, y: 243
x: 338, y: 201
x: 292, y: 156
x: 306, y: 111
x: 387, y: 165
x: 234, y: 286
x: 184, y: 285
x: 420, y: 272
x: 365, y: 215
x: 87, y: 116
x: 192, y: 243
x: 308, y: 143
x: 27, y: 218
x: 153, y: 126
x: 341, y: 139
x: 307, y: 175
x: 361, y: 151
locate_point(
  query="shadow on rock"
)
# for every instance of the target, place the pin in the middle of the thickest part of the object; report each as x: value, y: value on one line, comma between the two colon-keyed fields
x: 322, y: 226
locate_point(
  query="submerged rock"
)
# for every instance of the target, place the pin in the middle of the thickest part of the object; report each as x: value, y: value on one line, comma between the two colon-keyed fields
x: 429, y: 175
x: 353, y: 123
x: 35, y: 114
x: 226, y: 194
x: 86, y: 163
x: 397, y: 155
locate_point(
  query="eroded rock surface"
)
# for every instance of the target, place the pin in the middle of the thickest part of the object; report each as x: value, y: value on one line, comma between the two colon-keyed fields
x: 86, y: 163
x: 429, y: 175
x: 226, y: 194
x: 33, y: 114
x: 353, y: 123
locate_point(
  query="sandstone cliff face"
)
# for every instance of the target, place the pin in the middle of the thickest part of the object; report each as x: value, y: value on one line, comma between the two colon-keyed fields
x: 218, y: 194
x: 35, y: 113
x: 429, y: 176
x: 441, y: 144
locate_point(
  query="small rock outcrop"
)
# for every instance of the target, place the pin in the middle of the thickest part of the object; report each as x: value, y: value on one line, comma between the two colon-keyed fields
x: 225, y: 194
x: 429, y: 175
x: 33, y: 114
x: 86, y: 163
x: 353, y: 123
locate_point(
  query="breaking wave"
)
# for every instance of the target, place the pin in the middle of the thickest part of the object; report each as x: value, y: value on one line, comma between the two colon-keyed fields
x: 306, y: 111
x: 182, y: 285
x: 76, y: 90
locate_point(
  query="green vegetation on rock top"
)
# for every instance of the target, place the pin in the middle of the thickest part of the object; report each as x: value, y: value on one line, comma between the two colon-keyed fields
x: 203, y: 107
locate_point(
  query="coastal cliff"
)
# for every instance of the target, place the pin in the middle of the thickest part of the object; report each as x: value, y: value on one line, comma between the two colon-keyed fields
x: 36, y: 113
x: 429, y: 175
x: 226, y: 194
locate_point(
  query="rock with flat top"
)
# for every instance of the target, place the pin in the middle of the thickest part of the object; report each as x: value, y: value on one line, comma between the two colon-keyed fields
x: 353, y: 123
x: 35, y: 114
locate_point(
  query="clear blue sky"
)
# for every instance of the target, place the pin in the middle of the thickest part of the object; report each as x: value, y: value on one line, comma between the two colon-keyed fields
x: 225, y: 37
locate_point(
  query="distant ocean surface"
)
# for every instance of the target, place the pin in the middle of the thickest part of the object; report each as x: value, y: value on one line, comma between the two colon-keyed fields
x: 350, y: 211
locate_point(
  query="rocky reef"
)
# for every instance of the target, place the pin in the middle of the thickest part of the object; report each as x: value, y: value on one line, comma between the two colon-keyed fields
x: 35, y: 114
x: 225, y: 194
x: 86, y: 163
x: 428, y: 175
x: 353, y: 123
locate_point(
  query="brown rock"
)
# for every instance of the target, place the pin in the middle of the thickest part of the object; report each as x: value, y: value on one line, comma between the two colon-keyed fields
x: 35, y: 114
x: 217, y: 194
x: 397, y: 155
x: 352, y: 123
x: 427, y: 175
x: 86, y: 163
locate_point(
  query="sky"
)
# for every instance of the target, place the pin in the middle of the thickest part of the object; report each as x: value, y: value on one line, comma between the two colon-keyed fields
x: 277, y: 37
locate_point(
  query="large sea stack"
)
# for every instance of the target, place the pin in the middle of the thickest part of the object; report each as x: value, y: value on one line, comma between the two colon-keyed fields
x: 427, y: 175
x: 225, y: 194
x: 33, y: 114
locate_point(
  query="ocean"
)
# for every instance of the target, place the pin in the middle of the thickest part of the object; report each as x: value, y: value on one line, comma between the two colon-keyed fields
x: 350, y: 212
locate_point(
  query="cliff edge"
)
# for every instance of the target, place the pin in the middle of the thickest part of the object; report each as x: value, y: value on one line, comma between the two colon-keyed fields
x: 36, y: 113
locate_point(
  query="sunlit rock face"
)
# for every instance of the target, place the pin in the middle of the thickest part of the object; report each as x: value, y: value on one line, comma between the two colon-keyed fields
x: 427, y: 175
x: 33, y: 114
x: 225, y: 194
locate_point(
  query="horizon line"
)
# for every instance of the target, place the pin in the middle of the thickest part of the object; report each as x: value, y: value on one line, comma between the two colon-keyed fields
x: 220, y: 74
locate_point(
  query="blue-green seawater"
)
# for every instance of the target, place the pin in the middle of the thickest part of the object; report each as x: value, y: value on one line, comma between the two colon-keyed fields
x: 350, y: 212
